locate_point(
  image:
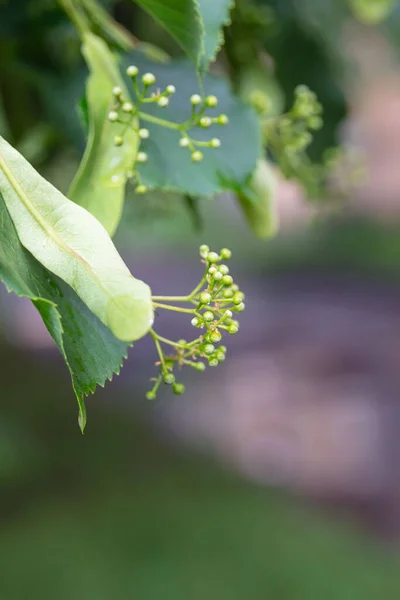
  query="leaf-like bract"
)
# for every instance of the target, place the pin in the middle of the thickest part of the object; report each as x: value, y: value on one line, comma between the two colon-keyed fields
x: 67, y: 240
x: 99, y: 185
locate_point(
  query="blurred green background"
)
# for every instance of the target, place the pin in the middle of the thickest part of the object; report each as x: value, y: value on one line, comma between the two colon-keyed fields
x: 129, y: 510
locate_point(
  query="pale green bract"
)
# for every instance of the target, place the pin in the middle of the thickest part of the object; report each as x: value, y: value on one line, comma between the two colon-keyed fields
x: 99, y: 184
x: 71, y: 243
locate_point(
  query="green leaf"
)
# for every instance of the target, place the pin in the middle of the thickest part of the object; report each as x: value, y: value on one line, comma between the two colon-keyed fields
x: 195, y: 24
x: 169, y: 167
x: 258, y: 201
x: 372, y: 12
x: 90, y: 351
x: 182, y: 20
x: 215, y: 15
x: 72, y: 244
x: 99, y: 185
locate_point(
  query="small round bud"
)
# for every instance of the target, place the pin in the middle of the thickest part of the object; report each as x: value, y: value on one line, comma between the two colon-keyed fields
x: 233, y: 329
x: 220, y: 356
x: 222, y: 349
x: 208, y: 316
x: 213, y: 362
x: 127, y: 107
x: 213, y: 269
x: 212, y: 257
x: 163, y: 102
x: 228, y: 321
x: 118, y: 140
x: 227, y: 280
x: 218, y: 276
x: 169, y: 378
x: 182, y: 342
x: 211, y: 101
x: 204, y: 249
x: 238, y: 298
x: 178, y: 388
x: 144, y: 134
x: 222, y: 120
x: 228, y: 293
x: 112, y: 116
x: 235, y: 288
x: 141, y: 157
x: 240, y: 307
x: 184, y: 142
x: 228, y: 314
x: 148, y: 79
x: 215, y: 143
x: 141, y: 188
x: 223, y: 269
x: 205, y: 298
x: 195, y: 99
x: 200, y: 366
x: 132, y: 71
x: 170, y: 89
x: 117, y: 91
x: 205, y: 122
x: 209, y: 349
x: 151, y: 395
x: 215, y: 337
x: 226, y: 253
x: 197, y: 156
x: 195, y: 322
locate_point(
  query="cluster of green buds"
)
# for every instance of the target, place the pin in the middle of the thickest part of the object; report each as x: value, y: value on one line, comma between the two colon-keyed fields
x: 215, y: 302
x: 130, y: 114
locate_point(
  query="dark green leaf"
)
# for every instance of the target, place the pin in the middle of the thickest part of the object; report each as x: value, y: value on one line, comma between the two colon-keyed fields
x: 91, y: 352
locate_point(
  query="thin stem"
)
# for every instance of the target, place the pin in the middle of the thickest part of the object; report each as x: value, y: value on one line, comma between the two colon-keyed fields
x: 174, y: 308
x: 158, y: 347
x: 162, y: 122
x: 169, y: 342
x: 76, y: 14
x: 171, y: 298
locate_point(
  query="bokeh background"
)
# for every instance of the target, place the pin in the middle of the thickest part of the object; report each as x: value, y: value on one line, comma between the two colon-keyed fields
x: 276, y: 475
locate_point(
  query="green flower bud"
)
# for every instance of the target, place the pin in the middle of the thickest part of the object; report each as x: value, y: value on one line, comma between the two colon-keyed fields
x: 213, y: 269
x: 141, y: 188
x: 227, y: 280
x: 215, y: 337
x: 118, y: 140
x: 182, y: 342
x: 240, y: 307
x: 223, y: 269
x: 235, y: 288
x: 184, y: 142
x: 112, y: 116
x: 222, y: 120
x: 132, y: 71
x: 208, y: 316
x: 195, y: 99
x: 211, y: 101
x: 169, y: 378
x: 144, y: 134
x: 178, y: 388
x: 209, y: 349
x: 226, y: 253
x: 163, y: 102
x: 197, y: 156
x: 170, y: 89
x: 222, y: 349
x: 212, y: 257
x: 228, y: 293
x: 218, y: 276
x: 213, y: 362
x: 195, y: 322
x: 148, y: 79
x: 151, y: 395
x: 238, y: 298
x: 200, y: 366
x: 204, y: 249
x: 233, y: 329
x: 215, y: 143
x: 205, y: 298
x: 127, y: 107
x: 205, y: 122
x: 220, y: 356
x: 228, y: 314
x: 141, y: 157
x: 117, y: 91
